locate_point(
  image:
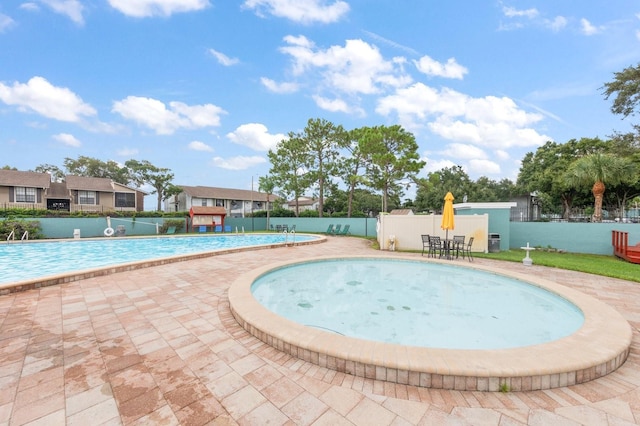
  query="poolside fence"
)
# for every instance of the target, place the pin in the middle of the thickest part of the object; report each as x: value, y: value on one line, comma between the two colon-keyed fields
x: 573, y: 237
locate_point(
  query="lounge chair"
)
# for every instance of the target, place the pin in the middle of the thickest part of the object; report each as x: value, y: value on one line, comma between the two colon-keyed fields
x: 336, y: 230
x: 345, y: 231
x: 171, y: 230
x: 329, y: 229
x: 217, y: 228
x: 227, y: 228
x: 425, y: 244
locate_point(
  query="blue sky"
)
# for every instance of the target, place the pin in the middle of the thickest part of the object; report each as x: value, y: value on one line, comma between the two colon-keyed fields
x: 207, y: 87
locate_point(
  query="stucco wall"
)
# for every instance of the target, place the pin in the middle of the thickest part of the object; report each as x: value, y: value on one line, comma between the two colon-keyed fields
x: 407, y: 230
x: 594, y: 238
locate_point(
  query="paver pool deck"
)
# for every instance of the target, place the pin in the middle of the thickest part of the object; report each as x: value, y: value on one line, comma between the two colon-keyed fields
x: 159, y: 346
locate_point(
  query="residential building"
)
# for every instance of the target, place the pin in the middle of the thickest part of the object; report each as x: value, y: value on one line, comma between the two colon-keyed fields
x: 304, y: 203
x: 20, y: 189
x: 237, y: 202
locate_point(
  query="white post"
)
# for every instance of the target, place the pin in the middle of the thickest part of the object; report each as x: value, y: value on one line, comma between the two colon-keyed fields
x: 527, y: 261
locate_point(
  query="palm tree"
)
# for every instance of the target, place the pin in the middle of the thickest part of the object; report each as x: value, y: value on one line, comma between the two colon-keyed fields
x: 597, y: 169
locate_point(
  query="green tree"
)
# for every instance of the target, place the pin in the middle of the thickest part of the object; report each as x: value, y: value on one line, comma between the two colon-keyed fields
x: 625, y: 146
x: 92, y: 167
x: 143, y: 172
x: 626, y: 88
x: 322, y: 141
x: 543, y: 172
x: 57, y: 175
x: 288, y: 162
x: 599, y: 169
x: 353, y: 167
x: 267, y: 185
x: 431, y: 191
x: 392, y: 155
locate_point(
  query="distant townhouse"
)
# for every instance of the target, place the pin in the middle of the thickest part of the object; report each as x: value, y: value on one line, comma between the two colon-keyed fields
x: 236, y: 202
x: 303, y: 203
x: 20, y: 189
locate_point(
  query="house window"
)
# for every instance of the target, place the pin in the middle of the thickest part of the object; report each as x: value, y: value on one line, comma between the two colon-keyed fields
x: 219, y: 203
x: 87, y: 197
x: 25, y: 195
x: 125, y: 199
x: 204, y: 202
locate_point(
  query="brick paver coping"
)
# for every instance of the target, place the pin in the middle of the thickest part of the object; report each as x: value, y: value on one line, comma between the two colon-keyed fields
x: 599, y: 347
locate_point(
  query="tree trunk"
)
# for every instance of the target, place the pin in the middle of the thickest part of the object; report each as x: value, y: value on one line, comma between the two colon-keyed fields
x: 566, y: 208
x: 321, y: 197
x: 268, y: 212
x: 598, y: 192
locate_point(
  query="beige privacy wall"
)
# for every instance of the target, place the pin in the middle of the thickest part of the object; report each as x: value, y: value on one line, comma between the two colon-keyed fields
x: 407, y: 230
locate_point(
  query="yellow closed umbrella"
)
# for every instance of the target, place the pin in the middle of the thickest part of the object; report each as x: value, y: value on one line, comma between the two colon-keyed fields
x: 447, y: 214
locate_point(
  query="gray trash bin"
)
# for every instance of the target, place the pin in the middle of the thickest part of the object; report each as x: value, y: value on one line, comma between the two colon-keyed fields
x: 494, y: 243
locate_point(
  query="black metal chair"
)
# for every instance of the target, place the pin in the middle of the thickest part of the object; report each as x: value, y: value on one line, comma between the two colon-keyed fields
x: 467, y: 250
x: 425, y: 244
x: 458, y: 244
x: 435, y: 247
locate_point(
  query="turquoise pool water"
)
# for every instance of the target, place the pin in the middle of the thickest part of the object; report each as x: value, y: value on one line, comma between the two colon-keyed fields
x: 417, y: 304
x: 20, y: 261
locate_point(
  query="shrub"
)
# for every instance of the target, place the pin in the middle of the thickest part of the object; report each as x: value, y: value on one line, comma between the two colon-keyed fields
x: 178, y: 223
x: 308, y: 213
x: 19, y: 227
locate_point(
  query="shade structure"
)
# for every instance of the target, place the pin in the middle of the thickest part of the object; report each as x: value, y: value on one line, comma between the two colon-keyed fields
x: 447, y: 214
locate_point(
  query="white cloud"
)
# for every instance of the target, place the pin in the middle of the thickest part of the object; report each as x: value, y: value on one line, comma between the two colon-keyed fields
x: 255, y: 136
x: 483, y: 167
x: 589, y: 29
x: 155, y: 115
x: 67, y: 139
x: 29, y: 6
x: 70, y: 8
x: 355, y: 68
x: 463, y: 151
x: 451, y: 69
x: 338, y: 105
x: 223, y: 59
x: 50, y: 101
x: 272, y: 86
x: 199, y: 146
x: 558, y: 23
x: 303, y: 11
x: 512, y: 12
x: 489, y: 121
x: 237, y: 163
x: 128, y: 152
x: 521, y: 18
x: 148, y: 8
x: 5, y: 22
x: 436, y: 165
x: 502, y: 154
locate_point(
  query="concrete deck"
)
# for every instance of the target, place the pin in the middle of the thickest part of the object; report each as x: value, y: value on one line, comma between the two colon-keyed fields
x: 159, y: 346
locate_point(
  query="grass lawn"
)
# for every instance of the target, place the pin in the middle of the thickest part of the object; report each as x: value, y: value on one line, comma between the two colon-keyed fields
x: 609, y: 266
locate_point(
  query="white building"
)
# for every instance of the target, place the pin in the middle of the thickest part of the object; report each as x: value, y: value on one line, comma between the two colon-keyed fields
x: 237, y: 202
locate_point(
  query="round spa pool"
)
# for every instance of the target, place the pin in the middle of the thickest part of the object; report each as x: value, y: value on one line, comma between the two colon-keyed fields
x: 598, y: 346
x: 417, y: 304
